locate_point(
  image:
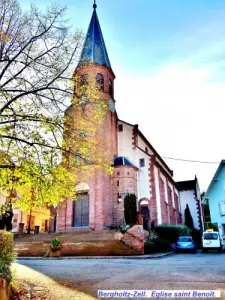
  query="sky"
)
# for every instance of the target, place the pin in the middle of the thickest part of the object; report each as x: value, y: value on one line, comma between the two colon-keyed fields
x: 169, y: 62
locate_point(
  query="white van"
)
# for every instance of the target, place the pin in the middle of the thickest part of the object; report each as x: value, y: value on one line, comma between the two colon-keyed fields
x: 211, y: 240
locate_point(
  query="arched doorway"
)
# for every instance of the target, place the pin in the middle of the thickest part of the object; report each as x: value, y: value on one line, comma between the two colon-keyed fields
x: 146, y: 217
x: 144, y: 209
x: 81, y: 211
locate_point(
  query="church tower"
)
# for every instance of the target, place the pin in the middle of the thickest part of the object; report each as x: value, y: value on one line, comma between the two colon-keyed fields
x: 94, y: 207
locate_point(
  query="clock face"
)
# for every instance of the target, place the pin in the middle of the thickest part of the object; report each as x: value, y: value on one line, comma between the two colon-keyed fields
x: 111, y: 105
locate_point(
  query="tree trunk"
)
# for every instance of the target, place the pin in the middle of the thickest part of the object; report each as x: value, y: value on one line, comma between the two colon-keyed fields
x: 28, y: 228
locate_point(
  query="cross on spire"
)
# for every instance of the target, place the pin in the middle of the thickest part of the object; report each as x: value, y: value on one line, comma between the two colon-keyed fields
x: 94, y: 5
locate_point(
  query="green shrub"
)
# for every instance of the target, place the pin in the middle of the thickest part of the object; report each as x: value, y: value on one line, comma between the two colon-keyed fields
x: 149, y: 247
x: 172, y: 232
x: 124, y: 228
x: 130, y: 209
x: 7, y: 254
x: 162, y: 244
x: 153, y: 235
x: 156, y: 245
x: 55, y: 244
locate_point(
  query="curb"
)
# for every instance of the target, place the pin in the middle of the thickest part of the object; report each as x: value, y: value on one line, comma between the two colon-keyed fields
x: 161, y: 256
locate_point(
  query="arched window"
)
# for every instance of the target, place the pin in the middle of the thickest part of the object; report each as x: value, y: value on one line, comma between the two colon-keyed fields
x: 84, y: 79
x: 100, y: 82
x: 110, y: 88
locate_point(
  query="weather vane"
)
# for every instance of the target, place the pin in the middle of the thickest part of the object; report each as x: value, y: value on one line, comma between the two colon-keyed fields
x: 94, y: 5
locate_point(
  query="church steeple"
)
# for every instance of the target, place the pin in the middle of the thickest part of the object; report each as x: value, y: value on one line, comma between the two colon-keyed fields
x: 94, y: 49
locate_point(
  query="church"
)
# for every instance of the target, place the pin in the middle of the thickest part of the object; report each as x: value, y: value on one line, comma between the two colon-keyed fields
x: 138, y: 167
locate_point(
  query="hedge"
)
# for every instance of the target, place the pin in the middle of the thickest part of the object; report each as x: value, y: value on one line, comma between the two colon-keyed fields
x: 170, y: 233
x: 163, y: 236
x: 7, y: 255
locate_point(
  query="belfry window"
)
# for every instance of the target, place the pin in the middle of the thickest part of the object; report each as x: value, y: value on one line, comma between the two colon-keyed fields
x: 100, y: 82
x: 84, y: 80
x: 110, y: 88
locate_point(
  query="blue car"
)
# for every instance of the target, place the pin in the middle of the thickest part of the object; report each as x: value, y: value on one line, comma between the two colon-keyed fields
x: 185, y: 244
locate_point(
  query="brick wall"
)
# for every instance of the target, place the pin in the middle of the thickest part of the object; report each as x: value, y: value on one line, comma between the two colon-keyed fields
x: 124, y: 180
x: 100, y: 192
x: 164, y: 205
x: 61, y: 216
x: 153, y: 207
x: 134, y: 136
x: 178, y: 214
x: 170, y: 205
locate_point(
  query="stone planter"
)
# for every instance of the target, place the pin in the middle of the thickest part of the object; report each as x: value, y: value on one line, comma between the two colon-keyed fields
x: 56, y: 253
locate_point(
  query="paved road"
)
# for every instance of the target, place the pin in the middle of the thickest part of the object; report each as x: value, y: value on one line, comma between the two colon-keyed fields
x: 179, y: 272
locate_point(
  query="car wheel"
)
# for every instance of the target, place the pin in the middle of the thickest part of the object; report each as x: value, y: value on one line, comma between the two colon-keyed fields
x: 220, y: 250
x: 204, y: 250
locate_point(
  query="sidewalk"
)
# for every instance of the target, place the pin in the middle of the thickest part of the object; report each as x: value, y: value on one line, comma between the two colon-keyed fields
x: 34, y: 285
x: 148, y: 256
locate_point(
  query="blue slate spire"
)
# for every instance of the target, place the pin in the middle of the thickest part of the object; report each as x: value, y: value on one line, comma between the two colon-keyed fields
x: 94, y: 49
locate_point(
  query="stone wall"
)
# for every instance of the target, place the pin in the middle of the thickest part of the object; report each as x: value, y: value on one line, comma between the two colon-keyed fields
x: 134, y: 238
x: 91, y: 248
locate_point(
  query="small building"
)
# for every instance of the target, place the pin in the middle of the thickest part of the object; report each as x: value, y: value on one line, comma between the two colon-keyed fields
x: 38, y: 217
x: 190, y: 194
x: 215, y: 196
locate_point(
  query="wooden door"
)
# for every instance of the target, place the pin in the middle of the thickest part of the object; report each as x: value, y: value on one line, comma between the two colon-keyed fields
x: 146, y: 216
x: 81, y: 211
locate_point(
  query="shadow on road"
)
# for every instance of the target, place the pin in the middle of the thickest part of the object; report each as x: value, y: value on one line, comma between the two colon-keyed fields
x: 48, y: 287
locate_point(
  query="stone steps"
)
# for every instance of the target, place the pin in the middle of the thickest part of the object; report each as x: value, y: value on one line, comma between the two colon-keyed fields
x: 84, y: 243
x: 76, y: 248
x: 84, y: 235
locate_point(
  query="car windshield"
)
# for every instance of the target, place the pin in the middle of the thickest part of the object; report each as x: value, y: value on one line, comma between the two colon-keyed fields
x: 210, y: 236
x: 185, y: 239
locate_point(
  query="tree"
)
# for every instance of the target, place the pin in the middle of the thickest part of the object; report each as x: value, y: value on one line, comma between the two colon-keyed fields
x: 6, y: 218
x: 37, y: 57
x: 30, y: 186
x: 188, y: 218
x: 37, y: 52
x: 130, y: 209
